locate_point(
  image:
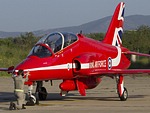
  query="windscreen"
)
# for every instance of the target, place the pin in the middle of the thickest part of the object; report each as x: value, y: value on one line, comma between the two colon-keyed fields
x: 54, y: 41
x: 41, y: 51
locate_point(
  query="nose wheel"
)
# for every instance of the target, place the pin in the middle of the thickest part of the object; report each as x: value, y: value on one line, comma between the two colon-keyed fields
x: 40, y: 92
x: 32, y: 101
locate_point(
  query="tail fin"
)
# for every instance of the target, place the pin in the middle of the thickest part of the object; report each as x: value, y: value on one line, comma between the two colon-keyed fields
x: 115, y: 30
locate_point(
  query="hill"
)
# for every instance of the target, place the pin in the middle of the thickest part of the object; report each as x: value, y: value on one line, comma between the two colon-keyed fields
x: 131, y: 23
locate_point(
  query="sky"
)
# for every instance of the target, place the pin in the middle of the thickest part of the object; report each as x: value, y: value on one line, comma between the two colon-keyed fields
x: 32, y: 15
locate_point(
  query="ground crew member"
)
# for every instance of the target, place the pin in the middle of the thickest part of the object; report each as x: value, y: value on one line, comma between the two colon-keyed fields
x: 19, y: 81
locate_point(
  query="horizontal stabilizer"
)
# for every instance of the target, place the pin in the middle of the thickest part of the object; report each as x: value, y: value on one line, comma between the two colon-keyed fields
x: 136, y: 53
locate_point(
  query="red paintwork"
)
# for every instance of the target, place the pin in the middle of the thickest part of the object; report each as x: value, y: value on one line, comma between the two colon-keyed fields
x: 81, y: 63
x: 89, y: 83
x: 99, y: 56
x: 120, y: 86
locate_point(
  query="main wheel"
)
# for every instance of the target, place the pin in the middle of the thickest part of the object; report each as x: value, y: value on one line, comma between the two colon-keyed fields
x: 32, y: 101
x: 42, y: 93
x: 124, y: 95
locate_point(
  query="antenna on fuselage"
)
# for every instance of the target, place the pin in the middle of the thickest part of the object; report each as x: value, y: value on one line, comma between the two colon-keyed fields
x: 80, y: 31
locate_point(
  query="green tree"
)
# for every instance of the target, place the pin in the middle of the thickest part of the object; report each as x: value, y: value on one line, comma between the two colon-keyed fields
x: 96, y: 36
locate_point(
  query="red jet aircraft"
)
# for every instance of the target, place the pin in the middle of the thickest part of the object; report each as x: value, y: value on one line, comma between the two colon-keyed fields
x: 79, y: 61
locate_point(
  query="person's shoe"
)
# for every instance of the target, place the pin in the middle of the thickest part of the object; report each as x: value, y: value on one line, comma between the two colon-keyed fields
x: 12, y: 106
x: 23, y: 106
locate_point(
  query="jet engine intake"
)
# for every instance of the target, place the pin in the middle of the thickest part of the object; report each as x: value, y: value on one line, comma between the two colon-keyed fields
x: 77, y: 65
x: 87, y: 63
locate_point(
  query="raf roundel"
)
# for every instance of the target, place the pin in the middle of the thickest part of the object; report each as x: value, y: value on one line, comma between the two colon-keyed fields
x: 109, y: 63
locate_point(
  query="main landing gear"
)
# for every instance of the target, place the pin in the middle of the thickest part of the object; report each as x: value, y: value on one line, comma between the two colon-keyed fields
x: 121, y: 90
x: 40, y: 94
x: 41, y: 91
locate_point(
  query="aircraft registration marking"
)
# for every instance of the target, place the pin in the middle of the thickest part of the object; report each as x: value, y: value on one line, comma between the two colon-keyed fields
x: 97, y: 64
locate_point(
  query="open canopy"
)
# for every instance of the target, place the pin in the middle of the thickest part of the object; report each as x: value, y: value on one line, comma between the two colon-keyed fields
x: 52, y: 43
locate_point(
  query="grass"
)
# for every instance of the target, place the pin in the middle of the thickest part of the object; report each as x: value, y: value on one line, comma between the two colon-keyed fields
x: 141, y: 63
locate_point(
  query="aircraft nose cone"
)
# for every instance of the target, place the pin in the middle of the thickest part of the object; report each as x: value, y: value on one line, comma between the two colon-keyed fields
x: 27, y: 63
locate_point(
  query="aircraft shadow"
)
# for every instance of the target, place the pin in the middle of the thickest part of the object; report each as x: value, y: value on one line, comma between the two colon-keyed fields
x: 9, y: 96
x: 73, y: 97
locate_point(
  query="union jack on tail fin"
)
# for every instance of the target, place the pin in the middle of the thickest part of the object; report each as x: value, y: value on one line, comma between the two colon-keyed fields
x: 115, y: 30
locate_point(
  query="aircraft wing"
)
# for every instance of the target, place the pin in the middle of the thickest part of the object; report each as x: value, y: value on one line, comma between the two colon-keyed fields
x: 9, y: 70
x: 3, y: 69
x: 136, y: 53
x: 120, y: 71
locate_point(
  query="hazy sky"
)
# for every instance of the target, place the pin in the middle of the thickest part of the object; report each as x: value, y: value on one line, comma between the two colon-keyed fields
x: 31, y: 15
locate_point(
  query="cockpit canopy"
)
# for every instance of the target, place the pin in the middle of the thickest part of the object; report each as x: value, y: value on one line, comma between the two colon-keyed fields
x: 52, y: 43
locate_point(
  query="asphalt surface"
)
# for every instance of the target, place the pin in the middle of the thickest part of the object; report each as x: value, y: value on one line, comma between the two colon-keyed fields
x: 102, y: 99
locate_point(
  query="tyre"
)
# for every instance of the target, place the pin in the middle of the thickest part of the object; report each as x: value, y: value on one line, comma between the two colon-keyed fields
x: 32, y: 101
x: 124, y: 95
x: 42, y: 94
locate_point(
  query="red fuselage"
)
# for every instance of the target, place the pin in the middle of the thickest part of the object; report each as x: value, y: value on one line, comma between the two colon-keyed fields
x: 75, y: 60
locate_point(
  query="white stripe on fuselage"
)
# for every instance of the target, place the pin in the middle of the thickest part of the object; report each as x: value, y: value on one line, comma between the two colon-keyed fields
x: 62, y: 66
x: 85, y: 65
x: 58, y: 67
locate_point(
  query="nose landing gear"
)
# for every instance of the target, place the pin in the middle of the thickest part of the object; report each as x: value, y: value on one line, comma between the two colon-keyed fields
x: 32, y: 100
x: 40, y: 94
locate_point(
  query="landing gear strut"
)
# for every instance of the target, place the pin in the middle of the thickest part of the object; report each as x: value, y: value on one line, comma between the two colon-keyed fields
x: 32, y: 99
x: 42, y: 93
x: 122, y: 91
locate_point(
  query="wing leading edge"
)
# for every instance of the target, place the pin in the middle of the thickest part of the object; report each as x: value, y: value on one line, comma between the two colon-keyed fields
x: 3, y: 69
x: 9, y: 70
x: 120, y: 71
